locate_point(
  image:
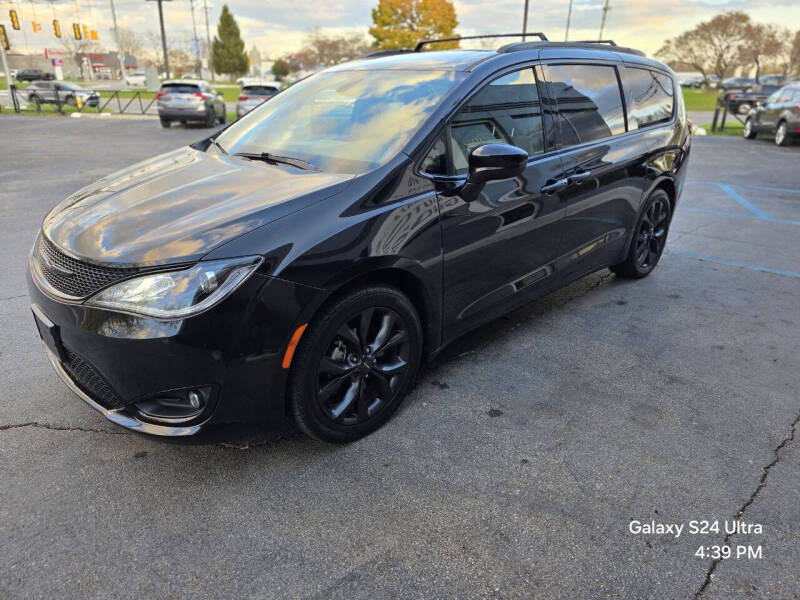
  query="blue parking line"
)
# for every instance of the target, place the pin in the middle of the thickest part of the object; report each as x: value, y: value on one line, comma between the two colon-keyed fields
x: 766, y: 188
x: 722, y: 213
x: 733, y: 263
x: 743, y: 201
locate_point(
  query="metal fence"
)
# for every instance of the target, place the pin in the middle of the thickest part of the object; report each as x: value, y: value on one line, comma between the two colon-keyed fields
x: 124, y: 101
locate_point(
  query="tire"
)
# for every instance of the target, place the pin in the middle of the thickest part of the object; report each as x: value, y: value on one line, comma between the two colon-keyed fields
x: 211, y: 117
x: 748, y: 131
x: 70, y: 101
x: 223, y: 118
x: 337, y: 391
x: 649, y: 238
x: 782, y: 137
x: 166, y: 123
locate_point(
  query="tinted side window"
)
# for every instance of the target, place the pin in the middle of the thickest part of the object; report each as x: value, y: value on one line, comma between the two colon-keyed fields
x: 589, y: 101
x: 506, y: 110
x: 649, y: 97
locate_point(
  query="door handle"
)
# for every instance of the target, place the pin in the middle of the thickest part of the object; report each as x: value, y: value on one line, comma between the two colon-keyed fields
x: 579, y: 177
x: 556, y: 186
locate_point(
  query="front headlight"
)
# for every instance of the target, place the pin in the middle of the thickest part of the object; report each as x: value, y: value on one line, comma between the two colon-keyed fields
x: 177, y: 294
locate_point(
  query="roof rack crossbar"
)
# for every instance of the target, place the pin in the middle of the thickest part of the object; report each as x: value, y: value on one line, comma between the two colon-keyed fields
x: 424, y: 43
x: 609, y: 42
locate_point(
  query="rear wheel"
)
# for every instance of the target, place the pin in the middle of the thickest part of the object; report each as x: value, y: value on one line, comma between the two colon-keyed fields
x: 649, y: 238
x: 165, y: 123
x: 223, y: 118
x: 749, y: 132
x: 355, y: 364
x: 211, y: 117
x: 782, y: 137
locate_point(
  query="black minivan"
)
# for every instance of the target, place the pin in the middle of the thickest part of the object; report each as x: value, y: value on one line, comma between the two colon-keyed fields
x: 306, y: 260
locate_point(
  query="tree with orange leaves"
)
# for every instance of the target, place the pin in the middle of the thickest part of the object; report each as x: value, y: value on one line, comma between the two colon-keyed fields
x: 403, y: 23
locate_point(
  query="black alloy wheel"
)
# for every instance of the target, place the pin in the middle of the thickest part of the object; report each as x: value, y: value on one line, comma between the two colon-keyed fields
x: 362, y: 366
x: 355, y: 363
x: 652, y: 234
x: 649, y: 238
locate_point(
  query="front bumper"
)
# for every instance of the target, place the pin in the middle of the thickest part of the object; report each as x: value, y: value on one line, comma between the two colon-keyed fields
x: 114, y: 362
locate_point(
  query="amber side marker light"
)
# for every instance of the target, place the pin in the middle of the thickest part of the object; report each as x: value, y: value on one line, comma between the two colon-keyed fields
x: 287, y: 358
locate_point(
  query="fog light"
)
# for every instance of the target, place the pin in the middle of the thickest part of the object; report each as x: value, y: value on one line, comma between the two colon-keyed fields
x: 175, y: 406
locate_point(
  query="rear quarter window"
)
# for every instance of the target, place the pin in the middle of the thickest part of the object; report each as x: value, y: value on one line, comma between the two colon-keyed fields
x: 259, y: 90
x: 176, y: 88
x: 588, y: 100
x: 650, y: 97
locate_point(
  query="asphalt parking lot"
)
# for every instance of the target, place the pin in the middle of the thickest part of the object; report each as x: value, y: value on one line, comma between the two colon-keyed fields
x: 513, y: 470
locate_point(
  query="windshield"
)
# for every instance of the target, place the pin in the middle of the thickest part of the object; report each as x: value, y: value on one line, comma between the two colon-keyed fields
x: 342, y: 121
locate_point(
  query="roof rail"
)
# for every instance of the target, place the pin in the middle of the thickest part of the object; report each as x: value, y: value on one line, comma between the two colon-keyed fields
x: 609, y: 42
x: 381, y: 53
x: 519, y: 46
x: 424, y: 43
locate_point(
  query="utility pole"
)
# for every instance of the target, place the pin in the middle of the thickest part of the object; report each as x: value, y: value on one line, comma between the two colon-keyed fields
x: 120, y: 53
x: 208, y: 41
x: 163, y: 36
x: 12, y: 96
x: 606, y: 8
x: 195, y: 41
x: 525, y: 20
x: 569, y: 18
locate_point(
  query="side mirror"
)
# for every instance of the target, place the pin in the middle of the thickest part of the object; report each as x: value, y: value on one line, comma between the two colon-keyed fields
x: 490, y: 162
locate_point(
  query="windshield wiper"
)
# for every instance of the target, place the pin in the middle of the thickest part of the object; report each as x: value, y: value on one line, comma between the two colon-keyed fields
x: 276, y: 158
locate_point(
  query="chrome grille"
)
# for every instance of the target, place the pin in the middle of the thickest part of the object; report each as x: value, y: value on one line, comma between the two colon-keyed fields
x: 91, y: 381
x: 74, y: 277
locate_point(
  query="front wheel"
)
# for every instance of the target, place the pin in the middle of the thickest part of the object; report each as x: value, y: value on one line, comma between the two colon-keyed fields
x: 165, y: 123
x: 355, y: 363
x: 649, y: 238
x: 782, y: 137
x: 749, y: 131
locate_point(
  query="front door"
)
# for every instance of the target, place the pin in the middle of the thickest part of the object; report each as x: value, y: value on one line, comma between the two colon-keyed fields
x: 498, y: 248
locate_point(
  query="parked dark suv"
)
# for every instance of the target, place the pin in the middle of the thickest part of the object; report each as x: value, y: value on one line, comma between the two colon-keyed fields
x: 779, y: 116
x: 309, y: 257
x: 33, y: 75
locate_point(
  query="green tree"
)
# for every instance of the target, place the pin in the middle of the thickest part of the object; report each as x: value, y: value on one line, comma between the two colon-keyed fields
x: 227, y: 49
x: 280, y: 69
x: 403, y: 23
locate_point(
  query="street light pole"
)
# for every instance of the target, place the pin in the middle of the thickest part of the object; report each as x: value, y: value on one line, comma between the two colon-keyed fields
x: 120, y: 53
x: 525, y: 19
x: 163, y: 36
x: 195, y: 41
x: 208, y: 41
x: 569, y: 18
x: 606, y: 8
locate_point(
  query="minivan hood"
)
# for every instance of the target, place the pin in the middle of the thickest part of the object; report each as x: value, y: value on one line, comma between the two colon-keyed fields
x: 177, y: 207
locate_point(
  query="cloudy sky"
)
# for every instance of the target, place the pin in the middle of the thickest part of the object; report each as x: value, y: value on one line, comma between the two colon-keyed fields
x: 278, y: 26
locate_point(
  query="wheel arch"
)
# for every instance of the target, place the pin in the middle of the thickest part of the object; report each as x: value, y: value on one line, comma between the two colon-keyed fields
x: 404, y: 279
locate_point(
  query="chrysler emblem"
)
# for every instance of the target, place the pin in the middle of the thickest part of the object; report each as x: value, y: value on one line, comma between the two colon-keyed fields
x: 50, y: 265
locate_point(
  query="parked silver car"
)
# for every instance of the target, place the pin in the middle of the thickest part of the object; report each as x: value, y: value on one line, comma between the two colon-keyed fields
x: 252, y: 95
x: 60, y: 92
x: 185, y: 101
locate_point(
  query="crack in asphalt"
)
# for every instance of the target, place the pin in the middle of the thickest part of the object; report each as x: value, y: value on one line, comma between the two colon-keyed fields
x: 762, y: 483
x: 12, y: 297
x: 60, y: 428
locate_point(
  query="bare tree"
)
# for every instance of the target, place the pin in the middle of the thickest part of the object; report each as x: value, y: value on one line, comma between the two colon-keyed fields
x: 711, y: 47
x: 130, y: 42
x: 322, y: 50
x: 761, y: 43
